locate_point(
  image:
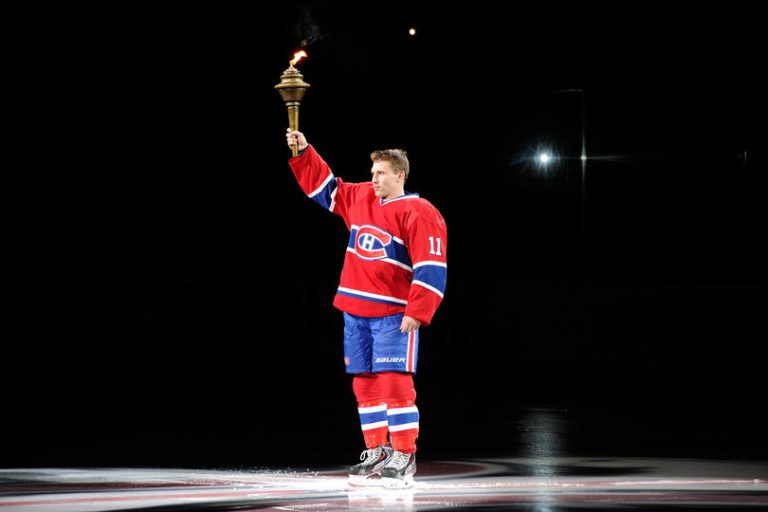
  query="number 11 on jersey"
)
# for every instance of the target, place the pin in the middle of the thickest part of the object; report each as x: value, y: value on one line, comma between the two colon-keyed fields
x: 435, y: 246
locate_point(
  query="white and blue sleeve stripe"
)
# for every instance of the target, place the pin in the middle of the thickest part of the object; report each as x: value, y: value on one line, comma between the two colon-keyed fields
x: 432, y: 275
x: 325, y: 193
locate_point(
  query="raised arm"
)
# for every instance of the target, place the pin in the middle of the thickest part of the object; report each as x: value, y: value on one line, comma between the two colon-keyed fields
x: 296, y: 137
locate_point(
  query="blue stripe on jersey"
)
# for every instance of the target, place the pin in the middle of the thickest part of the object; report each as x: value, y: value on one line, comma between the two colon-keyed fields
x: 323, y: 197
x: 373, y: 417
x: 395, y: 250
x: 372, y: 299
x: 433, y: 275
x: 402, y: 419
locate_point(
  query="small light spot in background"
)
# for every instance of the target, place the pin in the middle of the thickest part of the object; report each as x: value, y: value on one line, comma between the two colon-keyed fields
x: 412, y: 31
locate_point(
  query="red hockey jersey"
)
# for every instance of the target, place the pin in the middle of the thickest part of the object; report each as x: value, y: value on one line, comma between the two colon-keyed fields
x: 396, y: 253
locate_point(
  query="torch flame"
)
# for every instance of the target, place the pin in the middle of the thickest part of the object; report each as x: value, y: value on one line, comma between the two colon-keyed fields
x: 297, y: 57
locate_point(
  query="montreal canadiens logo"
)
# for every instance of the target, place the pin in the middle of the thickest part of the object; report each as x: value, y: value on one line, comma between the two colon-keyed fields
x: 371, y: 242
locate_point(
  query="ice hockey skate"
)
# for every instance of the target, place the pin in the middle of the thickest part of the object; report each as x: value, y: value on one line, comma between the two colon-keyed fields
x: 368, y: 472
x: 399, y: 470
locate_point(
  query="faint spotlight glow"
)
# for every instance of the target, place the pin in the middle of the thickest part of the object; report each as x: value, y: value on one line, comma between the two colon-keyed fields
x: 544, y: 158
x: 412, y: 31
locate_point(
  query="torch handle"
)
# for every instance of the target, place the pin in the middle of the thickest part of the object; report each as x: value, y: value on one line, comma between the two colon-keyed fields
x: 293, y: 123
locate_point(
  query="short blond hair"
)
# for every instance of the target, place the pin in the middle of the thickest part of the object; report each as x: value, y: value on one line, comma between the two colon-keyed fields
x: 398, y: 158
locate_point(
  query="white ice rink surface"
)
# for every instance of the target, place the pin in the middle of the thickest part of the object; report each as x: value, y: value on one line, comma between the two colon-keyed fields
x: 543, y: 484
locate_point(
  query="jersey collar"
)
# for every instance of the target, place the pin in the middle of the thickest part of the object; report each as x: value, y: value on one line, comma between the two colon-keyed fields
x: 407, y: 195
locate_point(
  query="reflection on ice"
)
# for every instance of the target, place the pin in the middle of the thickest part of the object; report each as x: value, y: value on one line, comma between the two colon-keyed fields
x: 545, y: 484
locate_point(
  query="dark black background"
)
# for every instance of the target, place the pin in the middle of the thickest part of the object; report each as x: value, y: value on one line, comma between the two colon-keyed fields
x: 166, y: 287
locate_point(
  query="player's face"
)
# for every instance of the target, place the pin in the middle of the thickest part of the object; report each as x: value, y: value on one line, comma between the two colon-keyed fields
x: 386, y: 183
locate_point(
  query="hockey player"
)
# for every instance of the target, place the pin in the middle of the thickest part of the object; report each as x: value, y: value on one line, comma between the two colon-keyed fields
x: 391, y: 284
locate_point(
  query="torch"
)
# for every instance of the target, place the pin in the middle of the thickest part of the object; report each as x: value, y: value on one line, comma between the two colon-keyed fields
x: 292, y: 88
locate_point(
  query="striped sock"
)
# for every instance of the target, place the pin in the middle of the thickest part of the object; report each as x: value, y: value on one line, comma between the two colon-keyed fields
x: 403, y: 419
x: 373, y: 420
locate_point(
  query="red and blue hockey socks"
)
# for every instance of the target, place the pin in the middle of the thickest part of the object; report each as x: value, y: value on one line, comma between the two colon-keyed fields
x: 387, y: 407
x: 372, y: 409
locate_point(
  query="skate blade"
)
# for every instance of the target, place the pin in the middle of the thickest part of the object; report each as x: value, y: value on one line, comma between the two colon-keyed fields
x: 365, y: 480
x: 397, y: 483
